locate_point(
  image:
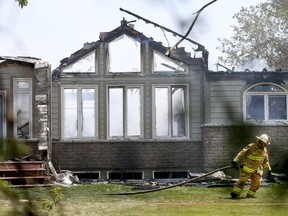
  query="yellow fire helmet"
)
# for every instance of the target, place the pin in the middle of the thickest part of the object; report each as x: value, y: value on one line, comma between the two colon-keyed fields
x: 264, y: 138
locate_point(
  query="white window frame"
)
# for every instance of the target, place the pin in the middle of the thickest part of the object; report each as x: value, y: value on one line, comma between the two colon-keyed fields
x: 79, y: 123
x: 22, y: 91
x: 170, y: 127
x: 125, y: 115
x: 266, y: 103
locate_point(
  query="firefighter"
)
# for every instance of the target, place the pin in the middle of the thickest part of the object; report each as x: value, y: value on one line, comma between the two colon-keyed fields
x: 254, y: 158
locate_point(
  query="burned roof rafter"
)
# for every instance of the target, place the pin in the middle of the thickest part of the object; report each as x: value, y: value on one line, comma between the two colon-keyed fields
x: 200, y: 46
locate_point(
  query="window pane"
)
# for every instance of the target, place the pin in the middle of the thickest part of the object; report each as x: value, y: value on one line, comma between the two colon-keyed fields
x: 255, y: 107
x: 277, y: 107
x: 162, y: 63
x: 23, y: 114
x: 162, y: 117
x: 88, y: 112
x: 115, y: 112
x: 133, y: 111
x: 130, y: 62
x: 23, y: 84
x: 83, y: 65
x: 70, y: 113
x: 178, y: 112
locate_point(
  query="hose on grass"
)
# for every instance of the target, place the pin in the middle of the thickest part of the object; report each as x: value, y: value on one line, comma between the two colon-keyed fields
x: 172, y: 186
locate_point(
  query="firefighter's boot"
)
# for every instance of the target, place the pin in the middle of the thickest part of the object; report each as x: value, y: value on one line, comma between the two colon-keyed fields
x: 234, y: 195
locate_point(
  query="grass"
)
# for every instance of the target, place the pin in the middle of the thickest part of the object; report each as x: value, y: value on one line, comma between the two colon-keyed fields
x: 89, y: 200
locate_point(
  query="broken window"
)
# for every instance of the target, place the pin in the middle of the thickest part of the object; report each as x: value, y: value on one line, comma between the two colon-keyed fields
x: 22, y: 108
x: 79, y: 112
x: 165, y: 64
x: 265, y: 102
x: 124, y: 111
x: 82, y: 65
x: 170, y: 111
x: 124, y: 55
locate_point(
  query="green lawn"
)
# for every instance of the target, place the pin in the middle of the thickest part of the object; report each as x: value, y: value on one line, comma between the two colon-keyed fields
x: 89, y: 200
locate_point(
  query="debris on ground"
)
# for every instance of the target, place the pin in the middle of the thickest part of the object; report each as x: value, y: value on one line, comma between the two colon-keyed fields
x: 218, y: 179
x: 65, y: 178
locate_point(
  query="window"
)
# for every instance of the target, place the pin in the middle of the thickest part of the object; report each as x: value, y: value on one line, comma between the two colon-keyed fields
x: 164, y: 64
x: 83, y: 65
x: 124, y: 113
x: 170, y: 111
x: 124, y: 55
x: 79, y: 112
x: 22, y: 108
x: 265, y: 102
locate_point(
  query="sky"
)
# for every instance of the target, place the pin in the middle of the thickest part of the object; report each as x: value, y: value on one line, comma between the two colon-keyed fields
x: 54, y: 29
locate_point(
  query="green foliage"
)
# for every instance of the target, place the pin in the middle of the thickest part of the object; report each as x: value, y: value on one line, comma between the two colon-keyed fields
x: 22, y: 3
x: 49, y: 204
x: 261, y: 34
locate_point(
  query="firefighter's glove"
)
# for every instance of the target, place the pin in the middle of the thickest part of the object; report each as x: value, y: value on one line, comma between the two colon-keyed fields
x: 235, y: 165
x: 269, y: 175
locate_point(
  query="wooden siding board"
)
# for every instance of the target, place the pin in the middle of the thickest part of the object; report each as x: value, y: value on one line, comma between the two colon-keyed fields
x: 224, y: 109
x: 225, y: 99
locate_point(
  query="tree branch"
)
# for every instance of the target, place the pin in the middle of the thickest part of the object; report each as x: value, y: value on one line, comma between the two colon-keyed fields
x: 190, y: 28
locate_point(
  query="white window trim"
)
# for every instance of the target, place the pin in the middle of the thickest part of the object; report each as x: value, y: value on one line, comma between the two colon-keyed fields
x: 96, y: 110
x: 15, y: 90
x: 170, y: 126
x: 125, y: 111
x: 265, y: 94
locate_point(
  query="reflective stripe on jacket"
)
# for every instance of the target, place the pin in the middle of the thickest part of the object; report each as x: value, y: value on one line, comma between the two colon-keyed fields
x: 253, y: 158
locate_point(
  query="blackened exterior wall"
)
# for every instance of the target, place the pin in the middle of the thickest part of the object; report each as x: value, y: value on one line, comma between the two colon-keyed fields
x: 146, y: 156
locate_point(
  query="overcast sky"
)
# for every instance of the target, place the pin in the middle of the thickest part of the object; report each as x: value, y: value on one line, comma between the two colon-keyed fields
x: 54, y: 29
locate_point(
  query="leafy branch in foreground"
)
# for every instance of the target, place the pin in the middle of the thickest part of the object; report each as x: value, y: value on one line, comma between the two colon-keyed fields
x: 49, y: 205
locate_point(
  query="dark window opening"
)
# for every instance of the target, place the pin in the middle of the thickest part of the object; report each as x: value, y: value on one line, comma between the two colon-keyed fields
x: 87, y: 175
x: 171, y: 175
x: 125, y: 175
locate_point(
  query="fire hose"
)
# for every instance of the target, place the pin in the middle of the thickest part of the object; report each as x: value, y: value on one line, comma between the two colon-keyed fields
x: 174, y: 185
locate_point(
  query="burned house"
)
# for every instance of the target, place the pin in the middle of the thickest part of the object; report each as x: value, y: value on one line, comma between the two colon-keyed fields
x: 24, y: 114
x: 122, y: 108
